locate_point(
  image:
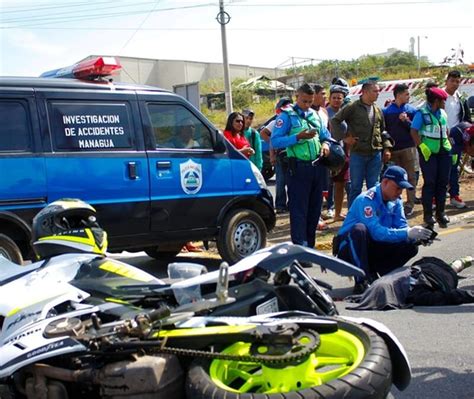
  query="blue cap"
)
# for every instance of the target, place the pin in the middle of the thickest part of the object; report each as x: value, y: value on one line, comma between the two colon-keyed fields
x: 399, y: 176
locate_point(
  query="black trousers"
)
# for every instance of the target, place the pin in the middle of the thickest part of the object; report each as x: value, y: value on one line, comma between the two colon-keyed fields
x: 374, y: 257
x: 436, y: 178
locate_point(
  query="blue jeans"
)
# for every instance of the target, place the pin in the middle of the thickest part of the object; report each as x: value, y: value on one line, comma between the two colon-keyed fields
x: 281, y: 183
x: 454, y: 175
x: 330, y: 190
x: 364, y: 167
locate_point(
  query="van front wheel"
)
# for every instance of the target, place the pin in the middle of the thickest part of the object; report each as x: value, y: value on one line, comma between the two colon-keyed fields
x: 242, y: 233
x: 10, y: 250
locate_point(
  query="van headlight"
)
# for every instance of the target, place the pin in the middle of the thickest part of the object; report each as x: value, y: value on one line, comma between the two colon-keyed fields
x: 258, y: 177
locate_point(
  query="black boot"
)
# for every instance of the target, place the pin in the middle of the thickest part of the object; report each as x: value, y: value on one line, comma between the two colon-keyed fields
x: 441, y: 216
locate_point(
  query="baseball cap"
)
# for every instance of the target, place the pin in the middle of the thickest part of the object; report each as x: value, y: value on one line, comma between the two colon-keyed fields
x: 248, y: 112
x: 439, y: 93
x: 399, y: 176
x: 282, y: 102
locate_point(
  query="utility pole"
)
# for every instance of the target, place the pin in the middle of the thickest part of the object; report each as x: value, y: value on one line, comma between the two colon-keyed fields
x: 418, y: 51
x: 224, y: 18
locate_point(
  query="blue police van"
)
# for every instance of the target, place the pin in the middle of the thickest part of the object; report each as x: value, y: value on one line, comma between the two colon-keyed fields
x: 156, y: 170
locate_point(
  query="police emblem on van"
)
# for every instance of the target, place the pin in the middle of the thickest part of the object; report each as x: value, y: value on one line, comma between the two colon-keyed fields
x: 191, y: 177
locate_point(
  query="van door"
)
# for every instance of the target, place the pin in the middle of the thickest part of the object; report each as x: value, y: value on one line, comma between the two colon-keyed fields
x: 22, y: 169
x: 95, y: 152
x: 190, y: 182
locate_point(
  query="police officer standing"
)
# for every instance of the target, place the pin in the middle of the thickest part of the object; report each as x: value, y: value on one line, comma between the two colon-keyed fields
x: 299, y: 131
x: 429, y: 130
x: 375, y: 235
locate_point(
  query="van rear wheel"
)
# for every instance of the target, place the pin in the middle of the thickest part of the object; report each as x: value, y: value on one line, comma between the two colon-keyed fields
x: 242, y: 233
x: 164, y: 251
x: 10, y: 250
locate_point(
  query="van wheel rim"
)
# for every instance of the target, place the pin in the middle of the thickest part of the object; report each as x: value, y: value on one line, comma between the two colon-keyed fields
x: 246, y: 238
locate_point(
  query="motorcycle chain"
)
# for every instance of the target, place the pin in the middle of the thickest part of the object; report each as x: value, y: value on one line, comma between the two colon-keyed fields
x: 290, y: 356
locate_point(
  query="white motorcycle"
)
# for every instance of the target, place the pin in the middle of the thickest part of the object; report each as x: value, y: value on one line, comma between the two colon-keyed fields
x: 84, y: 325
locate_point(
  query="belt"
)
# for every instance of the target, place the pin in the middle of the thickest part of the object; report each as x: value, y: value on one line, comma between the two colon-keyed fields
x: 310, y: 163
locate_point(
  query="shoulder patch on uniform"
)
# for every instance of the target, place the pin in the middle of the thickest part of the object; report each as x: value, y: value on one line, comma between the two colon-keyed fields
x: 279, y: 123
x: 370, y: 194
x: 368, y: 212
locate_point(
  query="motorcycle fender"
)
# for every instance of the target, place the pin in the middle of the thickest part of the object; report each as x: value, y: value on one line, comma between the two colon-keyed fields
x: 400, y: 363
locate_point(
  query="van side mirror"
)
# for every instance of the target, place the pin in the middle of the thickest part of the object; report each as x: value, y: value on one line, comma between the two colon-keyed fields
x: 220, y: 146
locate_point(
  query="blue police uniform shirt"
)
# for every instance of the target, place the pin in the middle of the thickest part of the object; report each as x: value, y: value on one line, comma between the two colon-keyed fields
x: 417, y: 121
x: 385, y: 221
x: 280, y: 137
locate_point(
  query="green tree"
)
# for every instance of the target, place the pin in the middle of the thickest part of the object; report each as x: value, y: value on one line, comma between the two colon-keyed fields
x: 401, y: 58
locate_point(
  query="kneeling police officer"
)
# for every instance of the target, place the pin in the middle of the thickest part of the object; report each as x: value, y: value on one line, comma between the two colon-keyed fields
x: 375, y: 235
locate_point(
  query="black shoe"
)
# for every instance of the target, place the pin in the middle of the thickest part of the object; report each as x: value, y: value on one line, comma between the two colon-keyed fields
x: 429, y: 221
x: 281, y: 211
x: 359, y: 288
x: 442, y: 220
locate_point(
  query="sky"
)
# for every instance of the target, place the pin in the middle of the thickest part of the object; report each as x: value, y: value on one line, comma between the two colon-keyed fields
x: 40, y: 35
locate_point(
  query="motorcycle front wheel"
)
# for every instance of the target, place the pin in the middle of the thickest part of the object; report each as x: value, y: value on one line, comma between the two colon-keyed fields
x: 353, y: 362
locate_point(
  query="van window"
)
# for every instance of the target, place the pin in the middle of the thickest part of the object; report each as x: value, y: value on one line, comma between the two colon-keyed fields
x: 15, y: 133
x: 90, y: 126
x: 174, y: 126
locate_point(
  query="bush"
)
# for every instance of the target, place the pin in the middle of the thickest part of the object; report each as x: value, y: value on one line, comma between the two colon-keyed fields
x: 263, y: 111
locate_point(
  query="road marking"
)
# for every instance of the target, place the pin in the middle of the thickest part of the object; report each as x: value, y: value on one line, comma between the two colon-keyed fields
x: 454, y: 230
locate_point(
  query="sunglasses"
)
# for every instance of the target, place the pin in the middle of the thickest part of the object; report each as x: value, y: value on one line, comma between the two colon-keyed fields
x: 238, y: 121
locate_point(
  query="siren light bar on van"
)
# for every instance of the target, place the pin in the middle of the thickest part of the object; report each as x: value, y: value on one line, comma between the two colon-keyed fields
x: 87, y: 69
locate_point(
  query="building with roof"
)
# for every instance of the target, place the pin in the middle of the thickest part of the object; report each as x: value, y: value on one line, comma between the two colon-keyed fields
x: 170, y: 73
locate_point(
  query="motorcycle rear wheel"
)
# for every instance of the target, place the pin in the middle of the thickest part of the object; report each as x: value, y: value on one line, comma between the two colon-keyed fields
x: 352, y: 362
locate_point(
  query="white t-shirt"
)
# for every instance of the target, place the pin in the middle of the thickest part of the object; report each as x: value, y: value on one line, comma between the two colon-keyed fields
x: 453, y: 108
x: 271, y: 125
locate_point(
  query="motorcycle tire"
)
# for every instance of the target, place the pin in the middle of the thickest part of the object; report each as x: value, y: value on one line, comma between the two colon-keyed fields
x: 353, y: 362
x: 10, y: 250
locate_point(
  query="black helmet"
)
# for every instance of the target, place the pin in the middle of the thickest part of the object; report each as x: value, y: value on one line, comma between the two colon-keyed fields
x: 67, y: 226
x: 339, y: 82
x: 336, y: 158
x: 282, y: 102
x: 339, y: 89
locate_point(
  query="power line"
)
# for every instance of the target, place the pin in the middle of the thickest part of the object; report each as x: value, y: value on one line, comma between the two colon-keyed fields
x: 27, y: 9
x: 46, y: 21
x: 278, y: 29
x: 139, y: 27
x: 59, y: 15
x: 383, y: 3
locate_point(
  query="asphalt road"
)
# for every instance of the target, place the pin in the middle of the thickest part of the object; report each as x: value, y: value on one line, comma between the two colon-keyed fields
x: 439, y: 340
